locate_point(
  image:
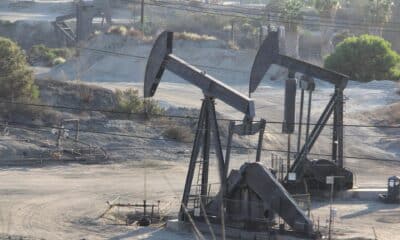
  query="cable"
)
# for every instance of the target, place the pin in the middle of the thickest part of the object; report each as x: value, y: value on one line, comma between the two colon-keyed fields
x: 264, y: 13
x: 267, y: 10
x: 35, y: 126
x: 145, y: 58
x: 273, y: 18
x: 112, y: 53
x: 182, y: 117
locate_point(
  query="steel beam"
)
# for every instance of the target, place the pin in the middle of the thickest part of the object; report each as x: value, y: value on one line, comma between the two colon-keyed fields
x: 192, y: 163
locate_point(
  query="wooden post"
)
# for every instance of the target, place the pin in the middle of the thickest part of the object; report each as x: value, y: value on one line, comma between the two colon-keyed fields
x: 232, y: 31
x: 142, y: 15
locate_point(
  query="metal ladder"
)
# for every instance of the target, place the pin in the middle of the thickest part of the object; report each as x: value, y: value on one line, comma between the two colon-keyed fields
x: 66, y: 30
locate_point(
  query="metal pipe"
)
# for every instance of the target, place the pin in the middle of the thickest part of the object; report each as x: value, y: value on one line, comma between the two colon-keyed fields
x: 300, y: 120
x: 192, y: 163
x: 340, y: 129
x: 142, y: 15
x: 229, y: 146
x: 260, y: 140
x: 288, y: 154
x: 308, y: 115
x: 206, y: 149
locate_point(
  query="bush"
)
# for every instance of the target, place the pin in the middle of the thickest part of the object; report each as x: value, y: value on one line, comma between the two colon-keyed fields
x: 129, y: 102
x: 118, y: 30
x: 365, y: 58
x: 181, y: 134
x: 16, y: 78
x: 58, y: 60
x: 135, y: 33
x: 233, y: 46
x: 42, y: 55
x: 194, y: 36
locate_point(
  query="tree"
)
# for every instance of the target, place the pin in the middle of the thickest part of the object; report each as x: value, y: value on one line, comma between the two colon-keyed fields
x: 291, y: 15
x: 378, y: 13
x: 365, y: 58
x: 327, y: 10
x: 16, y: 78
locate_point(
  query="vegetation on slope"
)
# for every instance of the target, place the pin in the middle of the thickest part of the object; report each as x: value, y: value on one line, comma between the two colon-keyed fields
x: 40, y: 55
x: 129, y: 102
x: 365, y: 58
x: 16, y: 79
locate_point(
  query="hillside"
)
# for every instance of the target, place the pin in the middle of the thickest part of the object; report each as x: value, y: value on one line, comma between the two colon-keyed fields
x: 106, y: 133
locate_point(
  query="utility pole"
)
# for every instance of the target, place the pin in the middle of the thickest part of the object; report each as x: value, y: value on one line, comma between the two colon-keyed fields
x: 331, y: 180
x: 232, y: 31
x: 142, y: 15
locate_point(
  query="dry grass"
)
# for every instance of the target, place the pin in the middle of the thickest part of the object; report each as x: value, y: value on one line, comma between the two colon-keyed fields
x: 85, y: 94
x: 233, y: 45
x: 135, y: 33
x: 118, y: 30
x: 59, y: 60
x: 138, y: 34
x: 178, y: 133
x: 193, y: 36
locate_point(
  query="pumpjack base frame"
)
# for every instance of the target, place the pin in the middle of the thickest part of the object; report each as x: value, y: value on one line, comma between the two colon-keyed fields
x: 315, y: 174
x: 234, y: 233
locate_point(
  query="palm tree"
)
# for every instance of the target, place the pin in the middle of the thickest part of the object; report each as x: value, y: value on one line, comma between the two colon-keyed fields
x: 378, y: 13
x: 327, y: 10
x: 292, y: 16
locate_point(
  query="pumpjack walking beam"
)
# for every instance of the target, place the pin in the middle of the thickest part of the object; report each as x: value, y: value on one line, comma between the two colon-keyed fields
x: 161, y: 59
x: 269, y: 54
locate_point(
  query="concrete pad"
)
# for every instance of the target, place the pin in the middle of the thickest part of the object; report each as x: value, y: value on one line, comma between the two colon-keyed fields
x: 231, y: 233
x: 366, y: 194
x: 178, y: 226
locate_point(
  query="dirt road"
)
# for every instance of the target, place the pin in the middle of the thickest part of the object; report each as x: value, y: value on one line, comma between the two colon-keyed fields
x: 64, y: 202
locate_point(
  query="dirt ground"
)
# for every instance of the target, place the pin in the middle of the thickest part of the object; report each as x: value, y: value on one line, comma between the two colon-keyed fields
x: 64, y: 202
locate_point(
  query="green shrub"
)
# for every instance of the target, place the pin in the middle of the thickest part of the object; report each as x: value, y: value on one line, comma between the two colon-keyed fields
x: 128, y: 101
x: 42, y: 55
x: 16, y: 79
x: 135, y: 33
x: 365, y: 58
x: 118, y: 30
x: 194, y: 36
x: 233, y: 46
x: 58, y: 60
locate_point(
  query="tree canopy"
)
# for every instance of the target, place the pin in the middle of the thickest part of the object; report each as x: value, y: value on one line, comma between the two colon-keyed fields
x: 365, y: 58
x: 16, y: 78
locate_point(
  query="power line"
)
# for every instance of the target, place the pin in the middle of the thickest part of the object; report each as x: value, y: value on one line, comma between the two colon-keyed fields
x: 180, y: 116
x: 255, y: 16
x: 111, y: 111
x: 35, y: 126
x: 145, y: 58
x: 264, y: 12
x: 113, y: 53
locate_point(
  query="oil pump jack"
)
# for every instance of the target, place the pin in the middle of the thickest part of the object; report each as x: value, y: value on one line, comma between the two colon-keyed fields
x: 250, y: 198
x: 312, y: 172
